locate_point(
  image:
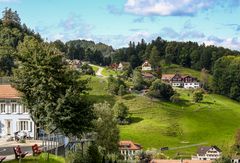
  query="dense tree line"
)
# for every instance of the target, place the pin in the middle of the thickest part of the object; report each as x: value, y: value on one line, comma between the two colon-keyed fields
x: 227, y: 76
x: 11, y: 33
x: 86, y: 51
x: 187, y: 54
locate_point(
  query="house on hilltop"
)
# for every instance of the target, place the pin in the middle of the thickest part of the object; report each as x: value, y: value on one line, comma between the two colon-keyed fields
x: 208, y: 153
x: 146, y: 66
x: 14, y: 116
x: 177, y: 80
x: 129, y: 150
x: 123, y: 66
x: 114, y: 66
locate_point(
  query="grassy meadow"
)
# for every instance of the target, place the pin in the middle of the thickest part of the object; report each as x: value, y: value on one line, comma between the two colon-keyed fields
x: 157, y: 124
x: 43, y: 158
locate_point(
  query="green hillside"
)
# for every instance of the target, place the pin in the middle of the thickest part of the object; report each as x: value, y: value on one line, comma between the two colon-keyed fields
x: 158, y: 123
x: 173, y: 68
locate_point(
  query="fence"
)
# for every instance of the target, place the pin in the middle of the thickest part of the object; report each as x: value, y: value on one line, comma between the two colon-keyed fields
x: 54, y: 144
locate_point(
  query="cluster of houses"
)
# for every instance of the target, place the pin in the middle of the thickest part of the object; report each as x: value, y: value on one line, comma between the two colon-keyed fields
x: 14, y: 117
x: 205, y: 154
x: 175, y: 80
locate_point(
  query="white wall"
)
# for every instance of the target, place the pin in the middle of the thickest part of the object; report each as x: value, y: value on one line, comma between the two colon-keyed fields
x: 192, y: 85
x: 146, y: 68
x: 14, y: 119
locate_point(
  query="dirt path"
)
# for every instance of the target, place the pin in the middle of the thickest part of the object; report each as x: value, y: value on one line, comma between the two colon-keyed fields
x: 99, y: 71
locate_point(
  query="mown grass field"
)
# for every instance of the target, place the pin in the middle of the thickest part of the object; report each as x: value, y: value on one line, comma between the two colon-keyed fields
x: 43, y: 158
x: 157, y: 124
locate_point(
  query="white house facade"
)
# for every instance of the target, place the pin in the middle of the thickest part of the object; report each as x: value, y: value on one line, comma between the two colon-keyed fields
x: 191, y: 85
x: 146, y: 66
x: 14, y: 116
x: 208, y: 153
x: 129, y: 150
x: 177, y: 80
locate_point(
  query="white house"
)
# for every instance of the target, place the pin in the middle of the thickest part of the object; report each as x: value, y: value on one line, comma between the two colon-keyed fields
x: 177, y: 80
x: 190, y: 82
x: 235, y: 159
x: 146, y: 66
x: 13, y: 115
x: 208, y: 153
x: 123, y: 66
x: 129, y: 150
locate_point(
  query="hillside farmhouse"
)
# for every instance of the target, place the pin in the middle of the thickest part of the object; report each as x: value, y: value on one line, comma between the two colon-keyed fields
x: 128, y: 149
x: 146, y: 66
x: 177, y: 80
x: 13, y: 115
x: 123, y: 66
x: 208, y: 153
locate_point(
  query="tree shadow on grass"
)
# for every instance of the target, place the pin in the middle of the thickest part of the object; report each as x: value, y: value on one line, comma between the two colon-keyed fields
x: 128, y: 97
x: 209, y: 103
x: 135, y: 120
x: 184, y: 103
x: 102, y: 98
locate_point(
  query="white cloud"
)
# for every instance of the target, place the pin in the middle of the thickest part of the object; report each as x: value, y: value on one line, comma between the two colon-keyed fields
x: 167, y: 7
x: 231, y: 43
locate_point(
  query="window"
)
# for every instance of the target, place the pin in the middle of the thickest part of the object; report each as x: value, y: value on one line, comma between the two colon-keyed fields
x: 3, y: 108
x: 23, y: 125
x: 14, y: 107
x: 25, y: 110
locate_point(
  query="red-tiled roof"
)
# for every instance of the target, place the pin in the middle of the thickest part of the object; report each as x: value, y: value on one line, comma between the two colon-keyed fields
x: 7, y: 91
x: 147, y: 75
x: 129, y: 145
x: 167, y: 76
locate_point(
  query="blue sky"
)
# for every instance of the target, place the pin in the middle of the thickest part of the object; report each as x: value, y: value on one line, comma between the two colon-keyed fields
x: 116, y: 22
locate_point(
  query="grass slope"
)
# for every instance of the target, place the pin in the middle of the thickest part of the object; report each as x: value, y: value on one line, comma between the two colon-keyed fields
x: 157, y: 124
x: 40, y: 159
x: 173, y: 68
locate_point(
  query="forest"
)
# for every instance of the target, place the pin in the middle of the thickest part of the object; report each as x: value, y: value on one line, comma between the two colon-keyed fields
x: 187, y: 54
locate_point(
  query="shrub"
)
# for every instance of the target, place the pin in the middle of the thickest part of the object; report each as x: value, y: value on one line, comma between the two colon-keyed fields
x: 161, y: 90
x: 198, y: 95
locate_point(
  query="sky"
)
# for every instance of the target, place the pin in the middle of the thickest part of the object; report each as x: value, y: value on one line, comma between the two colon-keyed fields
x: 116, y: 22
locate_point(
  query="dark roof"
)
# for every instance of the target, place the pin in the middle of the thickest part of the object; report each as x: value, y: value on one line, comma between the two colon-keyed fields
x: 202, y: 150
x: 218, y: 149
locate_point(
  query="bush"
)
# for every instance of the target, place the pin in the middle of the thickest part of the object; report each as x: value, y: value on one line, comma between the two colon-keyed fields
x: 175, y: 98
x: 87, y: 70
x: 121, y: 90
x: 114, y: 85
x: 198, y: 95
x: 161, y: 90
x: 121, y: 111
